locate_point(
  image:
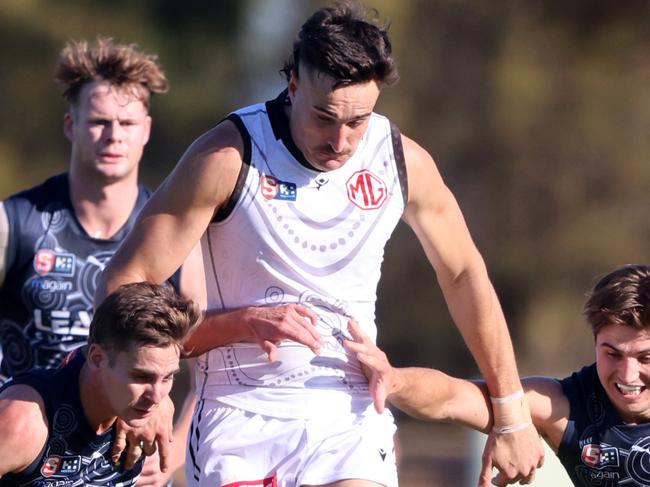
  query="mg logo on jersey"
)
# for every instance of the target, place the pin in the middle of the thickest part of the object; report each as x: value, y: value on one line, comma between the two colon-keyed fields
x: 598, y: 456
x: 273, y: 188
x: 366, y: 190
x: 50, y: 466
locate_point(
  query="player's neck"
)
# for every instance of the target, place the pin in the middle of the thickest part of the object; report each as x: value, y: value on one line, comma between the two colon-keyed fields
x: 102, y: 209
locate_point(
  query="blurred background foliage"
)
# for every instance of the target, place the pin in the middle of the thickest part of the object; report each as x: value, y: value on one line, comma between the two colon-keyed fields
x: 537, y: 113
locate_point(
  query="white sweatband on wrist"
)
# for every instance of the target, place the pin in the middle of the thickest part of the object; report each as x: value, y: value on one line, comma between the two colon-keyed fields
x: 506, y: 399
x: 506, y: 430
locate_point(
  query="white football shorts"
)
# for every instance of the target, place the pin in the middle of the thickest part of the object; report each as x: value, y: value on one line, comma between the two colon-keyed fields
x: 229, y: 447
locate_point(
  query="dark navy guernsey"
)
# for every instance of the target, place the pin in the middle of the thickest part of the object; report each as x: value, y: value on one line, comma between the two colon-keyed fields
x: 73, y: 455
x: 598, y: 448
x: 53, y: 266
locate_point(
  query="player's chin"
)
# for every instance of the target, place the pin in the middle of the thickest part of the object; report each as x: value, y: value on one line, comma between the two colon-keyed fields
x: 328, y: 161
x: 138, y: 417
x: 136, y: 422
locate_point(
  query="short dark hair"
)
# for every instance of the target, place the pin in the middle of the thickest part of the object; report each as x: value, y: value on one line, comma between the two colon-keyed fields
x: 143, y: 314
x: 620, y: 298
x: 122, y: 65
x: 340, y: 42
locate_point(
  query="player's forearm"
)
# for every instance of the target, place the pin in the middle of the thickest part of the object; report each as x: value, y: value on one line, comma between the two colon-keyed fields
x: 476, y: 311
x: 217, y: 329
x: 420, y: 393
x: 114, y: 277
x: 431, y: 395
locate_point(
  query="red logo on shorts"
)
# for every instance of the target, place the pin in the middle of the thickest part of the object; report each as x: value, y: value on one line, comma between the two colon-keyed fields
x: 267, y: 482
x: 366, y: 190
x: 50, y: 466
x: 44, y: 261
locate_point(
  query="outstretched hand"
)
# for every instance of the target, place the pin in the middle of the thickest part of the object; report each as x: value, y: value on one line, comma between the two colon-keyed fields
x: 381, y: 375
x: 515, y: 455
x: 154, y: 436
x: 269, y: 325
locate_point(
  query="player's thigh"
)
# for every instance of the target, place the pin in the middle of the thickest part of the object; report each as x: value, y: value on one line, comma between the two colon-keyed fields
x: 237, y: 447
x: 353, y: 451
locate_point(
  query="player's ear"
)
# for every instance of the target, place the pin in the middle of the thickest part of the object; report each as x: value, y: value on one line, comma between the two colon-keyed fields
x: 96, y: 356
x: 68, y: 125
x: 293, y: 84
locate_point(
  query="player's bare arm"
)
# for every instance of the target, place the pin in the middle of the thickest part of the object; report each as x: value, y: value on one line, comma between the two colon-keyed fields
x: 170, y: 226
x: 4, y: 241
x: 432, y: 395
x: 435, y: 216
x: 23, y: 428
x: 173, y: 220
x: 549, y: 408
x: 265, y: 325
x: 426, y: 394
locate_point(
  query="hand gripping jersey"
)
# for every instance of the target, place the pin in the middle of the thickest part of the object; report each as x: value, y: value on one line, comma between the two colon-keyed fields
x: 293, y: 234
x: 598, y: 448
x: 73, y: 455
x: 53, y: 265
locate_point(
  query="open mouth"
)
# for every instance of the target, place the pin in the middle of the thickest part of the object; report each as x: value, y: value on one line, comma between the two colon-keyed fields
x: 627, y: 390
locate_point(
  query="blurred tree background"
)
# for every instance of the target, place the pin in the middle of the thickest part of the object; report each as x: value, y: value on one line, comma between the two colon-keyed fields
x: 538, y: 114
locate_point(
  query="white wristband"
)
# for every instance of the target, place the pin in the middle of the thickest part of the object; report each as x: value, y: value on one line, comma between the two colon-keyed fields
x: 505, y: 399
x: 506, y: 430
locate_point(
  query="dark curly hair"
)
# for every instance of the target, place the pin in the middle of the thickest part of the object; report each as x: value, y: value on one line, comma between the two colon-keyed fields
x: 341, y: 43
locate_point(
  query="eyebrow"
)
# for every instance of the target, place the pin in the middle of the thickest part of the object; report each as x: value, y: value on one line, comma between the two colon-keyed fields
x: 330, y: 113
x: 151, y: 373
x: 609, y: 345
x: 100, y: 117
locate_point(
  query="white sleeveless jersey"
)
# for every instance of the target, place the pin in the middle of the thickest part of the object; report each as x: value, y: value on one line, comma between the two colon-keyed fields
x: 296, y: 235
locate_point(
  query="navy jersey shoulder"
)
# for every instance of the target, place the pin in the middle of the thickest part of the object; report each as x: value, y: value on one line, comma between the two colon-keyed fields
x: 598, y: 448
x: 73, y: 454
x: 53, y: 266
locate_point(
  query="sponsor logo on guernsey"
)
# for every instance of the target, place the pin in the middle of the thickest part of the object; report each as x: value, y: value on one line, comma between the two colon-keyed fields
x: 70, y: 465
x: 47, y: 261
x: 366, y: 190
x: 599, y: 456
x: 58, y: 466
x: 274, y: 189
x: 605, y: 475
x: 51, y: 466
x: 51, y: 285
